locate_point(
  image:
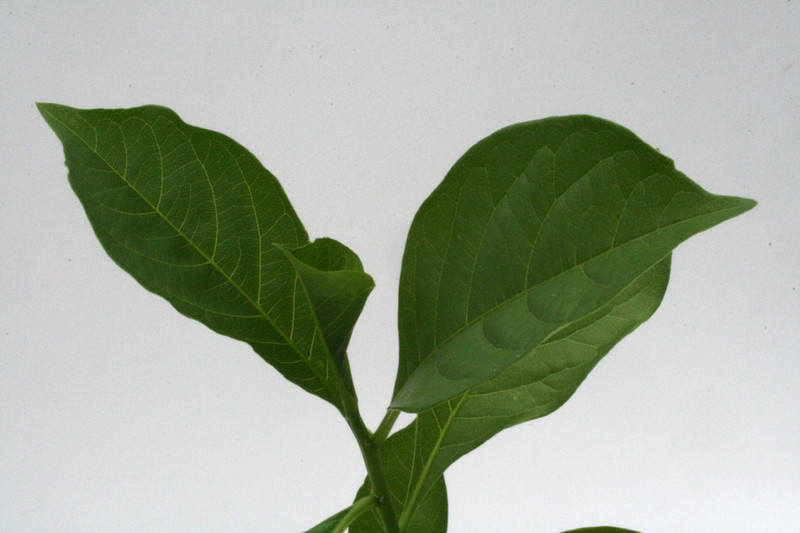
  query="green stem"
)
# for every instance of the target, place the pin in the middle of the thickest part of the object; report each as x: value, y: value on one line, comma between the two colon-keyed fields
x: 355, y: 511
x: 369, y: 451
x: 383, y: 430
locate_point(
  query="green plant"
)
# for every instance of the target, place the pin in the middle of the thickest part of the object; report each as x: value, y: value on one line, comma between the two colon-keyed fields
x: 545, y: 244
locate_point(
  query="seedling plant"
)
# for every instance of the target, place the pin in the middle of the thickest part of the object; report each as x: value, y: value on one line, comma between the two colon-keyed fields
x: 545, y: 244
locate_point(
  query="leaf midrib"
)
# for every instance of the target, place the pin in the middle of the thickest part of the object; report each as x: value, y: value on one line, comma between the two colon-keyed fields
x: 256, y: 305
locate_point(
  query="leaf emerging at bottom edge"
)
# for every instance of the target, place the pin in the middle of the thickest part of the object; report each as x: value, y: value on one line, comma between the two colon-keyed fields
x: 601, y: 529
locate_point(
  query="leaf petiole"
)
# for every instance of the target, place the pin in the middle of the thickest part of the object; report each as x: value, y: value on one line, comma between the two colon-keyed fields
x: 385, y: 427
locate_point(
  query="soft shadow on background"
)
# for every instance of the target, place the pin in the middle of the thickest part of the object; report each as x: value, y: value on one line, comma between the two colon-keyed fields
x: 118, y: 414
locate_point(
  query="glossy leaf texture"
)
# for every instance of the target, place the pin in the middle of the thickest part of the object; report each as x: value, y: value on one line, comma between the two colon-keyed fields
x: 195, y: 218
x: 537, y: 227
x: 533, y: 387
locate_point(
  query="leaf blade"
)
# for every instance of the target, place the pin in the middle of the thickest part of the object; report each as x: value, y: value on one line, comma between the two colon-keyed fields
x: 337, y: 288
x: 534, y: 228
x: 193, y: 216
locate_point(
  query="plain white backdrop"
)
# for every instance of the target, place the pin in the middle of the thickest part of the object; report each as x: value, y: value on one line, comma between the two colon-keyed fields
x: 119, y: 414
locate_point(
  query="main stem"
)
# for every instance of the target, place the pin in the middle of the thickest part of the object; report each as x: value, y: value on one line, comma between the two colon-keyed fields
x: 369, y: 451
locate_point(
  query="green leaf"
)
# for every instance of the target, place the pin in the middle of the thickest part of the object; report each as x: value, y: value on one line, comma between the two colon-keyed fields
x: 533, y: 387
x: 195, y: 218
x: 535, y: 228
x: 337, y: 288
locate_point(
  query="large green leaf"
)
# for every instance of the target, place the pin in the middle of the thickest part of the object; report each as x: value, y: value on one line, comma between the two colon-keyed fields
x: 195, y: 218
x: 535, y: 228
x: 531, y: 388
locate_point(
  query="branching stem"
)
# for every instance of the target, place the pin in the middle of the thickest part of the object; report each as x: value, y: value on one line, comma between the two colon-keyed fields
x: 369, y: 451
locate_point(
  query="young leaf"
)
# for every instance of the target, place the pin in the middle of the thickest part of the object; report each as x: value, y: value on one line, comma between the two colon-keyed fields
x: 535, y: 228
x: 195, y: 218
x: 531, y: 388
x: 337, y: 288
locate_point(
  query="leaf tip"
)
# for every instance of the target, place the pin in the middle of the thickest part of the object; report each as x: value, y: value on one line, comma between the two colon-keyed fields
x: 741, y: 205
x: 50, y: 111
x: 47, y: 107
x: 748, y: 204
x: 42, y: 107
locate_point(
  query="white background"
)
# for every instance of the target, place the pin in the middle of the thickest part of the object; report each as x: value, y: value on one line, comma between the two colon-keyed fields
x: 119, y: 414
